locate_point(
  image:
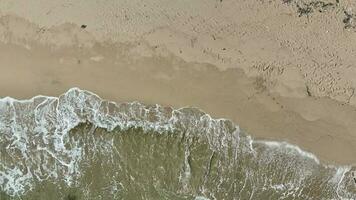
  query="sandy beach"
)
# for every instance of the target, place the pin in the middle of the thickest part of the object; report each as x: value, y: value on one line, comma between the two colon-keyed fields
x: 280, y: 73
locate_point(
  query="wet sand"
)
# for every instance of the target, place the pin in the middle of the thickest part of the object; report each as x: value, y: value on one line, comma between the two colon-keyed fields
x: 270, y: 100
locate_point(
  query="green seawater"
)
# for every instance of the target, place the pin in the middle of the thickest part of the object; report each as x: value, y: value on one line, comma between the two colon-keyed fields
x: 134, y: 164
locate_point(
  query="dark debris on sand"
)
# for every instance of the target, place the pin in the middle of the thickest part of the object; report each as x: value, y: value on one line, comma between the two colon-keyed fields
x: 308, y: 7
x: 318, y: 6
x: 349, y: 20
x: 287, y: 1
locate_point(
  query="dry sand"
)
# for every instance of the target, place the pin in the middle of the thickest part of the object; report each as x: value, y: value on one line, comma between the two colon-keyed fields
x: 279, y: 76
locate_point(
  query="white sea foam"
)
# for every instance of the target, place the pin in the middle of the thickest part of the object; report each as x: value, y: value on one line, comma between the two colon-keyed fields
x: 201, y: 198
x: 39, y: 128
x: 288, y: 147
x: 47, y: 120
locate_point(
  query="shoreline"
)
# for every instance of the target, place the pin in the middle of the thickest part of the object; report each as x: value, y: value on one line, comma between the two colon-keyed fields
x: 170, y: 81
x: 280, y: 144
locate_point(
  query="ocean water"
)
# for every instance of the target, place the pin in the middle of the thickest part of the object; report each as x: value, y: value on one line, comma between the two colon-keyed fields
x: 79, y: 146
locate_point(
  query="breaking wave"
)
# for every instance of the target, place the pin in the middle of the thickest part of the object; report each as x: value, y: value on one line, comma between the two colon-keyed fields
x: 56, y: 140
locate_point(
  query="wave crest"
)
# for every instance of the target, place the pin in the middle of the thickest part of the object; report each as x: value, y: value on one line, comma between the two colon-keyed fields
x: 35, y: 144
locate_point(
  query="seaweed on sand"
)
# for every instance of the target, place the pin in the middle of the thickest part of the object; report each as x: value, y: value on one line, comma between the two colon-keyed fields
x: 349, y: 20
x: 308, y: 8
x: 304, y: 10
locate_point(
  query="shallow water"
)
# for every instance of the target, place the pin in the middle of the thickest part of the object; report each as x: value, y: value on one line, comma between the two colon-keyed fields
x: 79, y: 146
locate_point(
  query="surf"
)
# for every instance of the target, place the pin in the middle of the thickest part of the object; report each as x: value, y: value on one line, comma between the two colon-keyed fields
x: 54, y: 140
